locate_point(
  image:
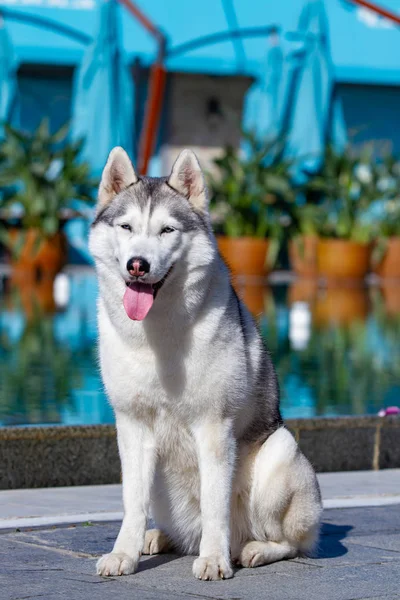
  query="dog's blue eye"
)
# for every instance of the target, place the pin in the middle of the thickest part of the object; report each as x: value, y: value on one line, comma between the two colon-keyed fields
x: 167, y: 230
x: 126, y: 226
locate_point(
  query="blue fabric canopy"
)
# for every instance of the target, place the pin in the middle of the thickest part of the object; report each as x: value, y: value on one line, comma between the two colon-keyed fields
x: 103, y: 104
x: 264, y: 102
x: 8, y: 79
x: 313, y: 115
x: 103, y: 99
x: 364, y: 46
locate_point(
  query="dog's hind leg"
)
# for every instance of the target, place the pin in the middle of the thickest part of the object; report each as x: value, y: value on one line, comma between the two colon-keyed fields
x: 254, y: 554
x: 283, y: 508
x: 156, y: 542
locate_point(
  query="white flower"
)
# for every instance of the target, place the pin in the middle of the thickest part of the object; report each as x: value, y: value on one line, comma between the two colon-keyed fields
x: 285, y: 220
x: 363, y: 173
x: 385, y: 183
x: 391, y: 206
x: 54, y: 169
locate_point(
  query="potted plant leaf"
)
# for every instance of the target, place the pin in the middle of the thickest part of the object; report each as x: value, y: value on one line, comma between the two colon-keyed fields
x: 249, y: 194
x: 347, y: 184
x: 386, y: 253
x: 303, y: 240
x: 40, y: 175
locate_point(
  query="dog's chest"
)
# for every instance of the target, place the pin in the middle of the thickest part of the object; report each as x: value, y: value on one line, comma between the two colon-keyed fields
x: 145, y: 374
x: 175, y: 442
x: 129, y: 374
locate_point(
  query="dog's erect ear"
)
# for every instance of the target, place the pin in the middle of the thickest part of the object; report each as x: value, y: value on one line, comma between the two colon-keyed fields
x: 187, y: 179
x: 118, y: 174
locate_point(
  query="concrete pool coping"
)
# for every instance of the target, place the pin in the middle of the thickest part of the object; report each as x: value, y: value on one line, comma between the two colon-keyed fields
x: 53, y: 456
x: 46, y: 507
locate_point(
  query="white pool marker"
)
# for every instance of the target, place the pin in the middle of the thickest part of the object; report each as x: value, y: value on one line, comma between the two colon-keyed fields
x: 61, y: 290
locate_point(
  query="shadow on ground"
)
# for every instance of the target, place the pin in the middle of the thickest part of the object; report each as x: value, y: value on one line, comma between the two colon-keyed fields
x: 151, y: 562
x: 330, y: 541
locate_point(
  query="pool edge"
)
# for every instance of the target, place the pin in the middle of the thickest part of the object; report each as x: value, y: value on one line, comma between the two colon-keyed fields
x: 52, y: 456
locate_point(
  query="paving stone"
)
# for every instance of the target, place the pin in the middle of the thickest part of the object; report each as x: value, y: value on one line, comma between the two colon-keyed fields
x: 61, y: 501
x: 333, y: 553
x: 360, y: 521
x: 347, y: 484
x: 342, y: 583
x: 391, y: 597
x: 67, y: 586
x: 14, y: 554
x: 359, y: 559
x: 86, y: 539
x: 389, y: 541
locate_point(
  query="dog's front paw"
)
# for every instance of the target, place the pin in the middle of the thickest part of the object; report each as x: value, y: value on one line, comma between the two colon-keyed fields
x: 211, y: 568
x: 116, y: 564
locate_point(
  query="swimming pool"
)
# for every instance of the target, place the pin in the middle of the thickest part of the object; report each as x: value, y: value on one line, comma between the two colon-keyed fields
x: 336, y: 350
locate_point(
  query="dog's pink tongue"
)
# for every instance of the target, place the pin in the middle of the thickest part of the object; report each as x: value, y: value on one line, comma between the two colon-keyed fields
x: 138, y: 300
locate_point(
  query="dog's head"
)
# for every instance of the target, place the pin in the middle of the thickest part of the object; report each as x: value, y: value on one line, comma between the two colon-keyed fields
x: 145, y: 227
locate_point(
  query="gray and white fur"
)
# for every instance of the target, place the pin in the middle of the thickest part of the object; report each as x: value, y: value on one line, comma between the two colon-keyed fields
x: 203, y: 447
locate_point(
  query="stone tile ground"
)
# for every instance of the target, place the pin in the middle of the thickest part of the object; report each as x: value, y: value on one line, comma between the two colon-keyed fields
x: 358, y: 558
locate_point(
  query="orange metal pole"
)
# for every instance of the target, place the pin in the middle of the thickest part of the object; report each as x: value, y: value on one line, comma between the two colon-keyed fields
x: 143, y: 20
x: 379, y: 10
x: 155, y: 93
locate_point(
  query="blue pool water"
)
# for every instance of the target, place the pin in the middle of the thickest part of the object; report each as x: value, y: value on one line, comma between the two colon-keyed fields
x: 337, y: 351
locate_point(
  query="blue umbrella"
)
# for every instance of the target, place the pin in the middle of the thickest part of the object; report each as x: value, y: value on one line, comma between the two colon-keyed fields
x: 103, y: 100
x: 313, y: 114
x: 8, y: 78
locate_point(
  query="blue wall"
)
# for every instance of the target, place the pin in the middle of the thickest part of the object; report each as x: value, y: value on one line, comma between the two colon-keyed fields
x: 45, y: 92
x: 372, y: 113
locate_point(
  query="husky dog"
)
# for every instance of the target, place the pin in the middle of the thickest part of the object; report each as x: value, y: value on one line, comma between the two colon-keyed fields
x: 202, y: 443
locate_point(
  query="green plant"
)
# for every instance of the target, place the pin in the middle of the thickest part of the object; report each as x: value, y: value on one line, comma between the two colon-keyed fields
x: 43, y: 368
x: 250, y: 190
x: 40, y: 175
x: 387, y: 225
x: 388, y: 217
x: 305, y: 219
x: 343, y: 191
x: 36, y: 373
x: 351, y: 368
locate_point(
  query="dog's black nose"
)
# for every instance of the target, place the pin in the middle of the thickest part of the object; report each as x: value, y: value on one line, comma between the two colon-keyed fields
x: 137, y: 266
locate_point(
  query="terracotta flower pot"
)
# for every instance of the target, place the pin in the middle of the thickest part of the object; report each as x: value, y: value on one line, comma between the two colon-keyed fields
x: 44, y: 258
x: 244, y: 255
x: 389, y: 267
x: 33, y: 297
x: 343, y: 259
x: 341, y: 305
x: 391, y: 296
x: 303, y: 290
x: 303, y: 255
